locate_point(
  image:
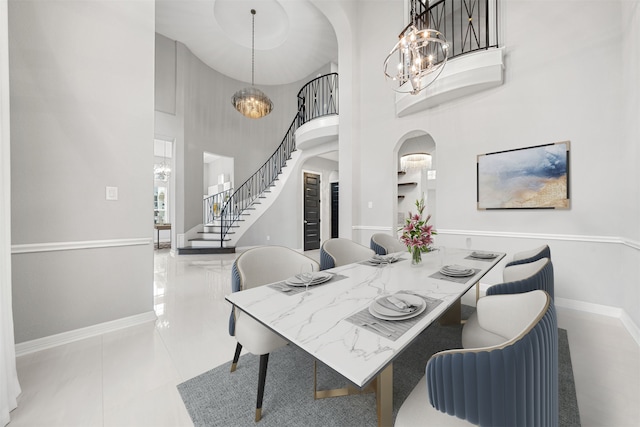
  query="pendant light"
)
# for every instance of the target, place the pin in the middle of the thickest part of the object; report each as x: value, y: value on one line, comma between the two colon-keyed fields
x: 251, y: 102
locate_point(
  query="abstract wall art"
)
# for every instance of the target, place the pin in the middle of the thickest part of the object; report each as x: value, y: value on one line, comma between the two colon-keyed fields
x: 525, y: 178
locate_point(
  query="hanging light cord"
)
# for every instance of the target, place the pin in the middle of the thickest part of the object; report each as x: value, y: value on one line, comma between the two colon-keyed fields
x: 253, y: 42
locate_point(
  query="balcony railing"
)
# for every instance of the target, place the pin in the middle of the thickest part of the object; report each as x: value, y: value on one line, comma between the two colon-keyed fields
x: 468, y: 25
x: 316, y: 99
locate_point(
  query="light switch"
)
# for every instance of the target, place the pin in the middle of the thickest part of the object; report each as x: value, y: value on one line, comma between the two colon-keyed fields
x: 112, y: 193
x: 370, y: 205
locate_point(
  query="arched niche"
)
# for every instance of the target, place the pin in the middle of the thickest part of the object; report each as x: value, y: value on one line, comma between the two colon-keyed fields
x: 413, y: 183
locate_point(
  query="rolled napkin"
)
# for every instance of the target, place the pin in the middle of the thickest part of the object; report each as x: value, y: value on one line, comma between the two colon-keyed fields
x: 384, y: 258
x: 394, y: 303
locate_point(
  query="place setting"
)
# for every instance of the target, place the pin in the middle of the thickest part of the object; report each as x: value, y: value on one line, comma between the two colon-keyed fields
x: 455, y: 273
x: 300, y: 282
x: 382, y: 260
x: 482, y: 256
x: 390, y: 316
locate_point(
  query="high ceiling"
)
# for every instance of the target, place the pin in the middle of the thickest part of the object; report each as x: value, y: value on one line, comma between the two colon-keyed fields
x: 292, y: 38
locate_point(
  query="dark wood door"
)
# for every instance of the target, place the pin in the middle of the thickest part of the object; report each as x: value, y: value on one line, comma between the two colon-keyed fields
x: 334, y: 209
x: 311, y: 226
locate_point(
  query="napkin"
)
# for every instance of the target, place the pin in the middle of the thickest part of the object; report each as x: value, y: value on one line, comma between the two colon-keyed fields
x: 386, y: 258
x: 394, y: 303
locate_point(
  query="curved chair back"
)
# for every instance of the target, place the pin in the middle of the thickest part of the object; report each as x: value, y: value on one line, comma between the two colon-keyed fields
x: 532, y: 255
x: 527, y: 277
x: 514, y: 383
x: 338, y: 252
x: 263, y: 265
x: 383, y: 244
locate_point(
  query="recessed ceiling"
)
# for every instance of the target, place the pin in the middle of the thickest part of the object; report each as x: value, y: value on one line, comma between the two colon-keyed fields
x: 293, y: 39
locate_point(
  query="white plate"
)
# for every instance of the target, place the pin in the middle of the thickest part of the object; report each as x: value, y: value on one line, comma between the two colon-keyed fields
x: 483, y: 255
x: 411, y: 299
x: 318, y: 278
x: 456, y: 271
x: 383, y: 258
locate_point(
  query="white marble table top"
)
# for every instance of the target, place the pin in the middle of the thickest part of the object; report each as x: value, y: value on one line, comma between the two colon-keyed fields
x: 315, y: 321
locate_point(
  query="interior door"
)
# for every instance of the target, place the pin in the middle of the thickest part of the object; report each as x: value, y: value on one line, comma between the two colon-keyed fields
x: 311, y: 226
x: 335, y: 188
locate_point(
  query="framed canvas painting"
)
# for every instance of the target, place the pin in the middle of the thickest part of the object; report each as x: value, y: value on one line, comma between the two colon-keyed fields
x: 524, y: 178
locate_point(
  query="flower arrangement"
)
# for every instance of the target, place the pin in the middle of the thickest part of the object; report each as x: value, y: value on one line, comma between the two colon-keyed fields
x: 417, y: 235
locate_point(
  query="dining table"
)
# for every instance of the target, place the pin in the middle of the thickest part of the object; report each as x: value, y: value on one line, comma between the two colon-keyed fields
x: 340, y: 322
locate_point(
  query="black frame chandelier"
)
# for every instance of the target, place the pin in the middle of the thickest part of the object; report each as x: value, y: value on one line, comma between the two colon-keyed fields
x: 417, y: 59
x: 251, y: 102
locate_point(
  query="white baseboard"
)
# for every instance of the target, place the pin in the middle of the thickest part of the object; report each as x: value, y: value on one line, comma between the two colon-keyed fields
x: 631, y: 326
x: 603, y: 310
x: 44, y: 343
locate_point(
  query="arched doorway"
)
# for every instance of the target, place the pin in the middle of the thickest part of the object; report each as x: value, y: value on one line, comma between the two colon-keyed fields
x: 414, y: 181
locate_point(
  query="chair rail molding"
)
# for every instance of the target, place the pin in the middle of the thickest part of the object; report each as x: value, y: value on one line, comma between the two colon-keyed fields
x: 539, y: 236
x: 69, y: 246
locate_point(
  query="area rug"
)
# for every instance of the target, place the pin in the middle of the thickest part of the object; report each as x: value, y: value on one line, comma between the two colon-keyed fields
x: 221, y: 398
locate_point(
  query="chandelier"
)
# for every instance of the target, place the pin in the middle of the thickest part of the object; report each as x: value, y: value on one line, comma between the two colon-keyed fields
x: 415, y: 161
x: 252, y: 102
x: 162, y: 171
x: 417, y: 59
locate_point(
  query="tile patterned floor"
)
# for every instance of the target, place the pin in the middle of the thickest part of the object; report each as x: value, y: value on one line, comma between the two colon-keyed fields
x: 129, y: 377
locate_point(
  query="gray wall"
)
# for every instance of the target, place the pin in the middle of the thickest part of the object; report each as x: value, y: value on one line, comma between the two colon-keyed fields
x: 81, y: 77
x: 210, y: 123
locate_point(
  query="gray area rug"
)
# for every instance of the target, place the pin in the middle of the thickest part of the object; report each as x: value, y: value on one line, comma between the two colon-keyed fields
x: 221, y: 398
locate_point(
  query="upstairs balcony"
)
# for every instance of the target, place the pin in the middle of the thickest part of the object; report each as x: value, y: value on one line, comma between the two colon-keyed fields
x: 475, y: 59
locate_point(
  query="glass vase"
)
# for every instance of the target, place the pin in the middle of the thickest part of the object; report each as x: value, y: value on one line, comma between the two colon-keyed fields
x: 416, y: 256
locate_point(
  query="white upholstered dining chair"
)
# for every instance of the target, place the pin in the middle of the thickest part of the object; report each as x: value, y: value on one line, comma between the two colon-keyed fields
x: 256, y: 267
x: 384, y: 244
x: 338, y: 251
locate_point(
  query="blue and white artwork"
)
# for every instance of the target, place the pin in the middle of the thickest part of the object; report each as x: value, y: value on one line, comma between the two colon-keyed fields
x: 526, y: 178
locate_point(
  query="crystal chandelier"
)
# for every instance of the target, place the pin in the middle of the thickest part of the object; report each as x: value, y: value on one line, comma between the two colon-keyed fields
x: 252, y: 102
x: 417, y: 59
x: 162, y: 171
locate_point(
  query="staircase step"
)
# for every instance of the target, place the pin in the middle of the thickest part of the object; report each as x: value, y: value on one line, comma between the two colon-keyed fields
x: 202, y: 251
x: 213, y: 236
x: 206, y: 243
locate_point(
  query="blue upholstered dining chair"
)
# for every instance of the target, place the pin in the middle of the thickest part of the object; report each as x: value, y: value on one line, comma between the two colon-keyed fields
x: 524, y: 257
x: 256, y: 267
x: 338, y: 252
x: 526, y: 277
x: 519, y: 278
x: 383, y: 244
x: 512, y: 383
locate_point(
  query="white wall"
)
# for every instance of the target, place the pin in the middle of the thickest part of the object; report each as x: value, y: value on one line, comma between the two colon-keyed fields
x: 552, y: 92
x: 81, y: 76
x: 282, y: 222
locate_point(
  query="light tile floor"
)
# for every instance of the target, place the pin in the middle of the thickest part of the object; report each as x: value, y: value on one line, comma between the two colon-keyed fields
x: 129, y: 377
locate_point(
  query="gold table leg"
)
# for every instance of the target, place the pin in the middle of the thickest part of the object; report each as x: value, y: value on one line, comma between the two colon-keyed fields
x: 384, y: 396
x: 336, y: 392
x: 453, y: 315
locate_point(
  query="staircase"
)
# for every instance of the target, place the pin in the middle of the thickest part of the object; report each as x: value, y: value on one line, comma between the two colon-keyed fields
x: 227, y: 216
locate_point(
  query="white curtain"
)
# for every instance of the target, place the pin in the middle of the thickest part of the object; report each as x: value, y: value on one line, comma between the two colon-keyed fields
x: 9, y: 386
